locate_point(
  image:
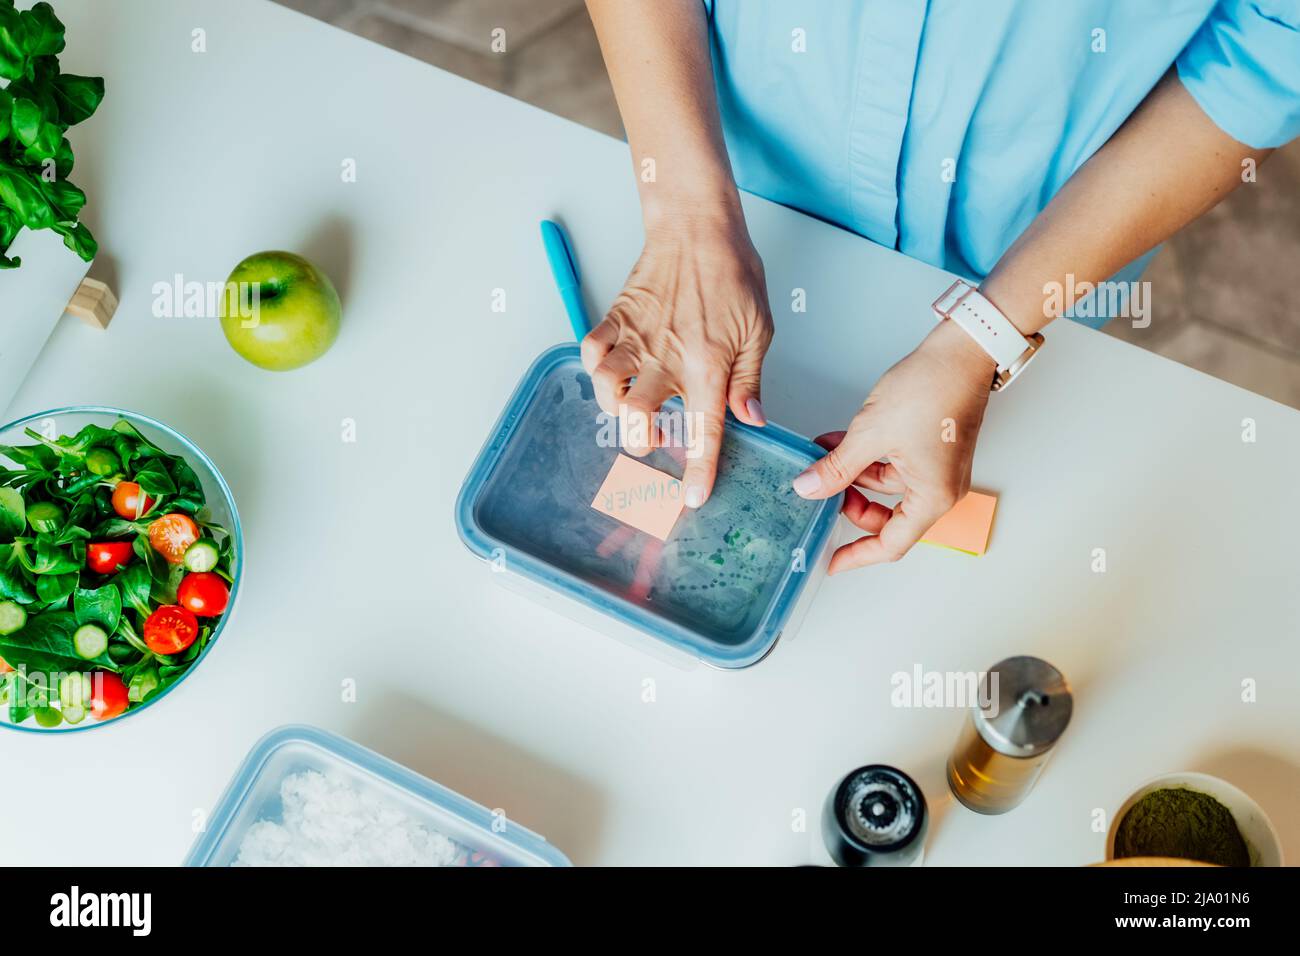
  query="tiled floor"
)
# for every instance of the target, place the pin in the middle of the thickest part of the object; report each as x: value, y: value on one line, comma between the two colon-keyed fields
x: 1222, y: 291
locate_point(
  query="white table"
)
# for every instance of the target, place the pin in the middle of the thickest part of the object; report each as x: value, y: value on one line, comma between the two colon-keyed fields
x: 197, y: 160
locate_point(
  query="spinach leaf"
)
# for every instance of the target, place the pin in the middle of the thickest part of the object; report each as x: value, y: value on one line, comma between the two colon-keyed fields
x: 135, y: 582
x: 189, y: 491
x: 145, y: 447
x: 50, y: 558
x: 13, y: 514
x: 45, y: 644
x: 166, y: 582
x: 71, y: 534
x: 116, y: 527
x: 14, y: 586
x: 127, y: 633
x: 55, y: 589
x: 35, y: 457
x: 122, y: 654
x: 14, y: 694
x: 102, y: 606
x: 154, y: 480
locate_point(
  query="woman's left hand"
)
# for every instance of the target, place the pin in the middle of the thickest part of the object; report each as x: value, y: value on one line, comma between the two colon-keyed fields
x: 924, y: 417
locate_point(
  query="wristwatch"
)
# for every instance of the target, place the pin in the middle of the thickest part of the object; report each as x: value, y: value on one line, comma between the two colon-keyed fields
x: 990, y: 329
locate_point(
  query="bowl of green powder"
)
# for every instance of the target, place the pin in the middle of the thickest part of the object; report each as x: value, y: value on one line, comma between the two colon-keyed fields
x: 1193, y: 816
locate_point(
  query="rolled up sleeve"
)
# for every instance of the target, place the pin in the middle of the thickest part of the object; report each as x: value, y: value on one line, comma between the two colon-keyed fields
x: 1243, y: 68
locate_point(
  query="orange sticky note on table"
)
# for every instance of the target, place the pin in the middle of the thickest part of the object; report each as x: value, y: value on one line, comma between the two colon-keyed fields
x: 643, y: 497
x: 966, y: 527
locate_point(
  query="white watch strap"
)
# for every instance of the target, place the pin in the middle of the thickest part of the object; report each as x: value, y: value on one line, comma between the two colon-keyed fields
x: 982, y: 321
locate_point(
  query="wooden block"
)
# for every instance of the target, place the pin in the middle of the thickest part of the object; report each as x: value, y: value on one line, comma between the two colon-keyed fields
x: 94, y: 303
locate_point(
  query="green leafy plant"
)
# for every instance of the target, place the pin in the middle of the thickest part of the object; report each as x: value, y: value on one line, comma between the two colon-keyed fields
x: 37, y: 107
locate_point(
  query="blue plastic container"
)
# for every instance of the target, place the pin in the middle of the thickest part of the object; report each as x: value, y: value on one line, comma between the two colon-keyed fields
x: 732, y: 576
x: 253, y: 796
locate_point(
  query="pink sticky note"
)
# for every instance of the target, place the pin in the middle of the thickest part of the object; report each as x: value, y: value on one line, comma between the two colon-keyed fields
x: 640, y: 496
x: 966, y: 527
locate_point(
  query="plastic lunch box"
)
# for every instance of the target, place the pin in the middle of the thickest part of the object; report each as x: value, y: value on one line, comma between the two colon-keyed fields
x: 732, y: 577
x: 253, y: 795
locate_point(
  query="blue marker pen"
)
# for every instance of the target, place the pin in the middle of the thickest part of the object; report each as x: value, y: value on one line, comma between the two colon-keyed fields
x: 564, y: 267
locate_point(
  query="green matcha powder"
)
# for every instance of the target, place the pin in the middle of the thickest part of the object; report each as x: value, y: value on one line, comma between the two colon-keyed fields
x: 1183, y: 824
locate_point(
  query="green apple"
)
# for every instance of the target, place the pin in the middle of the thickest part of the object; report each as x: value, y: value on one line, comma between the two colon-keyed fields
x: 280, y: 312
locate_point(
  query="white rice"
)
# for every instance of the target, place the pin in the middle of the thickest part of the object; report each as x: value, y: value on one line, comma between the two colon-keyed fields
x: 327, y: 821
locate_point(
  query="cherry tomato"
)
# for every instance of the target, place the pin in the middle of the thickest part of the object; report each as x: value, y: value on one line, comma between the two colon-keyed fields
x: 171, y: 536
x: 105, y: 557
x: 204, y: 594
x: 126, y: 500
x: 170, y: 629
x: 107, y: 695
x: 4, y: 666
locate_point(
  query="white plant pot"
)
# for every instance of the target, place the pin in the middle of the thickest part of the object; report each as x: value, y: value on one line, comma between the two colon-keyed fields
x: 32, y: 298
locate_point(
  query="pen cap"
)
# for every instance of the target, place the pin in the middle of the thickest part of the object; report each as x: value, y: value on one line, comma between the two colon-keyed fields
x: 1028, y: 706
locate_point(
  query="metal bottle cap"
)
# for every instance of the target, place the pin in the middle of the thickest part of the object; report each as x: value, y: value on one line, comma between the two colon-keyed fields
x: 1033, y: 706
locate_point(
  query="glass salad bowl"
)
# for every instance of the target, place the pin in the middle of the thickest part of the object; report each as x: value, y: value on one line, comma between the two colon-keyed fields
x: 120, y: 565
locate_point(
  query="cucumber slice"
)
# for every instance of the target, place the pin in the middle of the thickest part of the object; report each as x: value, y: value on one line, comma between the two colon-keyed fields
x: 74, y: 713
x: 90, y: 641
x: 44, y: 517
x: 74, y: 691
x: 12, y: 617
x: 202, y: 555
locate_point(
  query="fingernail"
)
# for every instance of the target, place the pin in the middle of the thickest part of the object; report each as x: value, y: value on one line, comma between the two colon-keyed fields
x: 694, y: 496
x: 755, y: 409
x: 807, y: 483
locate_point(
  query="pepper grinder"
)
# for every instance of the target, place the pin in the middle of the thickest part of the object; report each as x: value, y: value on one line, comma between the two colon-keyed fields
x: 875, y: 816
x: 1003, y: 747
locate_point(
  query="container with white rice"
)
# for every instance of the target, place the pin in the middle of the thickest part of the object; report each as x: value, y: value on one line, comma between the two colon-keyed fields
x: 326, y: 820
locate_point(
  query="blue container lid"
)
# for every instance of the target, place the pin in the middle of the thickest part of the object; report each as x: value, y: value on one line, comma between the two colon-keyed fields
x: 723, y: 585
x: 253, y: 796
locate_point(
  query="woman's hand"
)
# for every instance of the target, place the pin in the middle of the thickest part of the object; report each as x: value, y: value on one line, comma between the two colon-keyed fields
x: 693, y: 320
x: 924, y: 416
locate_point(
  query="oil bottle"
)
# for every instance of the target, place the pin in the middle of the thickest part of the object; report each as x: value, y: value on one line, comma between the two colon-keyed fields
x: 1023, y: 708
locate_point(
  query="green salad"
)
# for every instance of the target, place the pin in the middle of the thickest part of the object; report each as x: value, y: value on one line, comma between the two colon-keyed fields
x: 113, y: 576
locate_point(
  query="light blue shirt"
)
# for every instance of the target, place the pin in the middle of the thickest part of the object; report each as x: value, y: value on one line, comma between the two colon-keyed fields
x: 942, y: 128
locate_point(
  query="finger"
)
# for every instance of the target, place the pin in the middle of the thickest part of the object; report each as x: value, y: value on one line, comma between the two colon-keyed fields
x: 870, y: 516
x: 883, y: 477
x: 613, y: 542
x: 644, y: 577
x: 705, y: 414
x: 911, y: 518
x: 837, y: 469
x: 636, y: 411
x: 598, y: 342
x: 878, y: 476
x: 744, y: 392
x: 610, y: 377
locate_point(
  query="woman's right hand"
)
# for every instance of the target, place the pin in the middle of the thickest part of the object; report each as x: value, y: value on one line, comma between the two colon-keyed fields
x: 692, y: 320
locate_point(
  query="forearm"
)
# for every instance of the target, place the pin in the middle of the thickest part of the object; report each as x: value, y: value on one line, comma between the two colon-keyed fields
x: 1167, y: 164
x: 658, y: 59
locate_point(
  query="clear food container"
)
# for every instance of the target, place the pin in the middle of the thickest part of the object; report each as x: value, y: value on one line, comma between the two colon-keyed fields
x: 730, y: 579
x: 304, y: 796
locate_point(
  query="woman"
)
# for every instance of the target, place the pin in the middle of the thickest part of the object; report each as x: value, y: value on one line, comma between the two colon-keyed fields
x: 1031, y: 148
